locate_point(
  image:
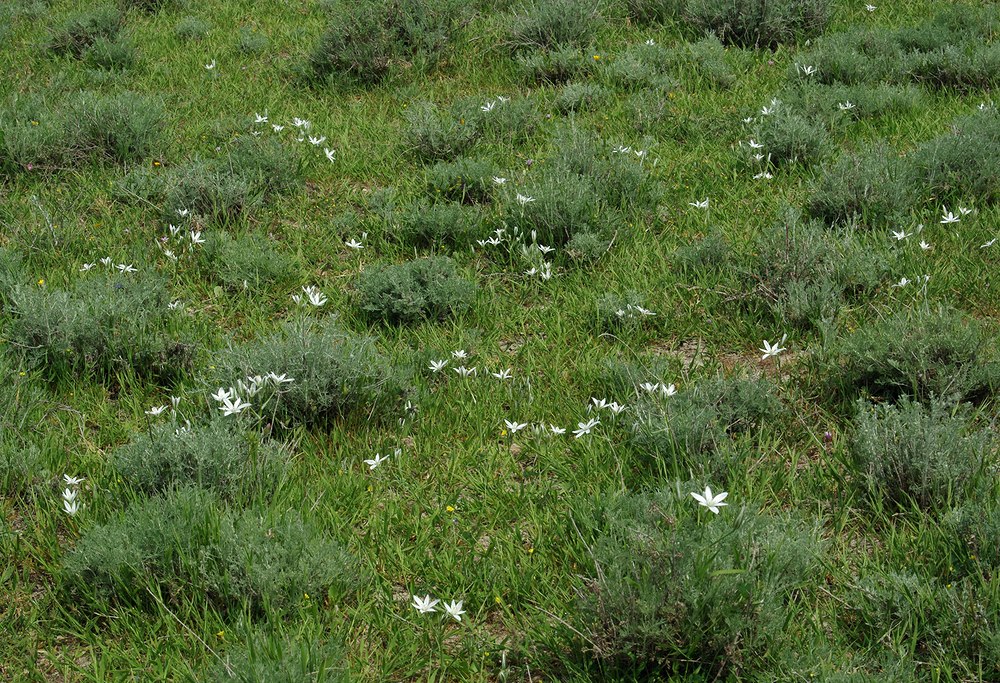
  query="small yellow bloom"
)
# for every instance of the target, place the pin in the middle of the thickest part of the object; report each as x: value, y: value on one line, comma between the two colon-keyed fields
x: 42, y: 281
x: 305, y: 595
x: 531, y: 551
x: 497, y: 600
x: 450, y: 509
x: 221, y: 635
x: 597, y: 58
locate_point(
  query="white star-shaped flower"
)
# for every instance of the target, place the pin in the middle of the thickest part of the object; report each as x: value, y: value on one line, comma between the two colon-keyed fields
x: 712, y: 502
x: 424, y: 605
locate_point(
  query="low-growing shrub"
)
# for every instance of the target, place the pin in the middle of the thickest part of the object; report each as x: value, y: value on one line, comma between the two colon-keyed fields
x: 553, y: 24
x: 556, y: 207
x: 556, y: 66
x: 103, y: 325
x: 789, y: 138
x: 244, y: 262
x: 975, y: 526
x: 756, y: 23
x: 639, y: 67
x: 278, y: 658
x: 920, y: 353
x: 215, y: 456
x: 618, y: 313
x: 250, y: 42
x: 111, y: 55
x: 434, y: 134
x: 870, y: 189
x: 676, y: 591
x: 22, y: 414
x: 646, y: 12
x: 465, y: 180
x: 192, y: 28
x: 804, y: 272
x: 829, y: 103
x: 620, y: 175
x: 335, y: 374
x: 707, y: 254
x: 366, y: 39
x: 186, y: 547
x: 693, y: 431
x: 83, y: 29
x: 910, y: 454
x: 450, y: 224
x: 964, y: 163
x: 574, y: 97
x: 587, y: 247
x: 424, y: 289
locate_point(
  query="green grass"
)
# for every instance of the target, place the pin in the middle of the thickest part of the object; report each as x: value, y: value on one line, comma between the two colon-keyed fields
x: 467, y: 511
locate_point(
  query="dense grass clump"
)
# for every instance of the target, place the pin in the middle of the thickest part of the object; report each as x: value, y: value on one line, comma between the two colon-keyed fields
x: 920, y: 353
x: 964, y: 163
x: 186, y: 547
x: 441, y: 224
x: 553, y: 24
x: 336, y: 374
x: 432, y: 133
x: 464, y: 180
x: 910, y: 454
x: 790, y: 138
x: 676, y: 591
x: 277, y: 658
x: 103, y: 326
x: 756, y: 23
x: 424, y: 289
x: 694, y: 431
x: 215, y: 456
x: 22, y: 421
x: 366, y: 39
x: 869, y: 189
x: 556, y: 67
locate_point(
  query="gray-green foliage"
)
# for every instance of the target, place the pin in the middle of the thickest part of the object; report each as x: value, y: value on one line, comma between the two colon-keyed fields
x: 675, y: 591
x: 756, y: 23
x: 790, y: 138
x: 103, y: 325
x: 215, y: 456
x: 574, y: 97
x: 553, y: 24
x: 556, y: 66
x: 335, y: 373
x: 963, y: 163
x: 870, y: 189
x: 366, y: 39
x: 439, y: 224
x: 805, y: 273
x: 81, y: 30
x: 920, y: 353
x: 246, y: 262
x: 694, y: 430
x: 909, y: 453
x: 187, y: 547
x: 192, y: 28
x: 423, y: 289
x: 464, y: 180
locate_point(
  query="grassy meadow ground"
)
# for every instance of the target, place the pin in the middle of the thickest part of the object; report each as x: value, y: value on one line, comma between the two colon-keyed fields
x: 859, y: 538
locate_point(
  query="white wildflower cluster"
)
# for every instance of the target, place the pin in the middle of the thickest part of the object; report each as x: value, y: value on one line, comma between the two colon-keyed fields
x: 303, y: 133
x: 662, y: 389
x: 426, y: 605
x: 311, y: 296
x: 490, y: 105
x: 70, y: 494
x: 179, y: 240
x: 232, y: 401
x: 633, y: 312
x: 109, y: 263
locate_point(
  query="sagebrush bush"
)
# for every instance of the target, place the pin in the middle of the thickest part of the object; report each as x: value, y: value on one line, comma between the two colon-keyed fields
x: 574, y: 97
x: 336, y: 374
x: 423, y: 289
x: 621, y: 177
x: 676, y: 591
x: 192, y: 28
x: 975, y: 526
x: 366, y: 39
x: 556, y: 66
x: 464, y: 180
x: 82, y: 29
x: 188, y: 548
x: 122, y: 127
x: 694, y: 430
x: 104, y: 325
x: 817, y: 102
x: 431, y: 133
x: 439, y: 224
x: 553, y: 24
x: 640, y: 66
x: 215, y: 456
x: 789, y: 138
x: 12, y: 274
x: 758, y: 23
x: 587, y: 247
x: 562, y: 207
x: 645, y: 12
x: 706, y: 254
x: 911, y: 454
x: 250, y: 42
x: 869, y: 189
x: 277, y: 658
x: 111, y: 55
x: 919, y: 353
x: 805, y: 273
x: 247, y: 263
x: 964, y: 163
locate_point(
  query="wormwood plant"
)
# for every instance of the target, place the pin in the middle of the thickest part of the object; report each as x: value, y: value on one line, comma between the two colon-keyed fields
x: 805, y: 273
x: 424, y: 289
x: 920, y: 353
x: 552, y: 24
x: 758, y: 23
x: 556, y: 66
x: 215, y: 456
x: 336, y: 374
x: 963, y: 163
x: 442, y: 223
x: 431, y: 133
x: 574, y: 97
x: 694, y: 430
x: 790, y: 138
x: 677, y: 591
x: 81, y: 30
x: 245, y: 262
x: 103, y: 326
x: 186, y: 547
x: 464, y: 180
x: 366, y: 39
x: 909, y: 453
